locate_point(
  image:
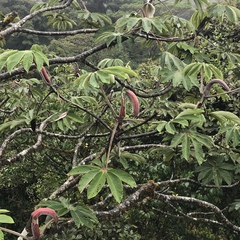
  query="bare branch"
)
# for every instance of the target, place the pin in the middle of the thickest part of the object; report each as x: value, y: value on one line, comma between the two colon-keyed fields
x: 11, y: 137
x: 203, y: 204
x: 31, y: 148
x: 57, y: 33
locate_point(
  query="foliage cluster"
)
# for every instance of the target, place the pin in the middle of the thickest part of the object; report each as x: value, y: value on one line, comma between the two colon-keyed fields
x: 74, y: 139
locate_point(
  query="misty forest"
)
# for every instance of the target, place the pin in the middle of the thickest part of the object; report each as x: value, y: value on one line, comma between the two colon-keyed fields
x: 120, y: 119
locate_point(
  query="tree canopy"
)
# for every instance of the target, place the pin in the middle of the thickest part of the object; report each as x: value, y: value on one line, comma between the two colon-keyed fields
x: 120, y: 119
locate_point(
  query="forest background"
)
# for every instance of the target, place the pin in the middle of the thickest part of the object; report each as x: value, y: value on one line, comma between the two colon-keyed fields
x: 126, y: 125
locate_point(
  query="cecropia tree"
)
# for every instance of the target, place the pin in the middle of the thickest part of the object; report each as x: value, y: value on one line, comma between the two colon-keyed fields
x: 119, y: 150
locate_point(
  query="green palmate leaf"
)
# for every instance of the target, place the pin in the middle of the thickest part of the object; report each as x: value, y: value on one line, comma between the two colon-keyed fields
x: 232, y: 14
x: 67, y: 123
x: 215, y: 71
x: 181, y: 121
x: 171, y: 61
x: 178, y: 78
x: 228, y: 135
x: 12, y: 124
x: 104, y: 77
x: 116, y: 186
x: 83, y: 81
x: 65, y: 202
x: 82, y: 215
x: 105, y: 36
x: 123, y: 176
x: 133, y: 156
x: 222, y: 116
x: 121, y: 22
x: 60, y: 125
x: 205, y: 175
x: 39, y: 58
x: 55, y: 205
x: 6, y: 219
x: 62, y: 211
x: 14, y: 60
x: 82, y: 169
x: 217, y: 179
x: 161, y: 125
x: 37, y: 6
x: 216, y: 170
x: 76, y: 100
x: 192, y: 69
x: 1, y: 235
x: 202, y: 139
x: 170, y: 128
x: 132, y: 22
x: 108, y: 62
x: 199, y: 4
x: 197, y: 18
x: 147, y: 24
x: 236, y: 137
x: 121, y: 72
x: 87, y: 178
x: 198, y: 151
x: 186, y: 147
x: 188, y: 82
x: 4, y: 211
x: 93, y: 80
x: 4, y: 56
x: 89, y: 99
x: 187, y: 112
x: 27, y: 60
x: 96, y: 184
x: 177, y: 139
x: 100, y: 163
x: 86, y: 211
x: 207, y: 72
x: 187, y: 105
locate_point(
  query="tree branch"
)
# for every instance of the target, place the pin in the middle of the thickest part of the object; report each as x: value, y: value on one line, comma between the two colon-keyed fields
x: 15, y: 27
x: 23, y: 153
x: 57, y: 33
